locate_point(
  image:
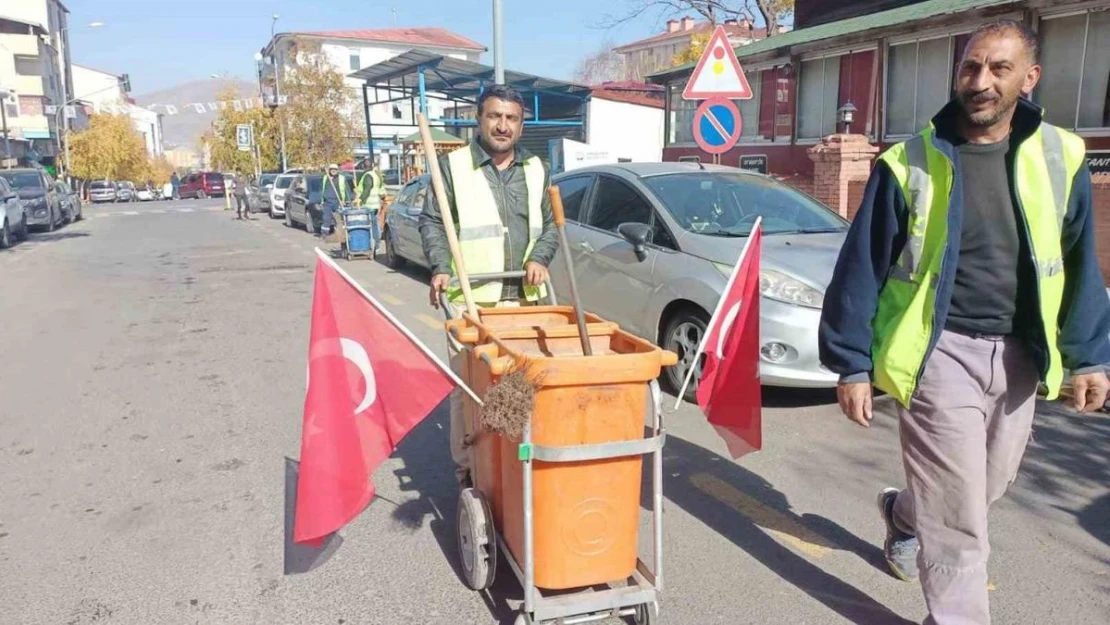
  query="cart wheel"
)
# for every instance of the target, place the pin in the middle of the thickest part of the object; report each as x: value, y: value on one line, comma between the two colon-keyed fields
x: 522, y: 618
x: 477, y: 540
x: 646, y: 613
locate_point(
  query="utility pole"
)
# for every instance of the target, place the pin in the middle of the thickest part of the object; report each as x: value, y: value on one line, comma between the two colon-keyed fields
x: 498, y: 45
x: 277, y: 94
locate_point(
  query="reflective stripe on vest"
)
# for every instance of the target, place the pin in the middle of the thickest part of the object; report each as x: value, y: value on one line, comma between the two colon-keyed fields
x: 481, y: 232
x: 1045, y: 165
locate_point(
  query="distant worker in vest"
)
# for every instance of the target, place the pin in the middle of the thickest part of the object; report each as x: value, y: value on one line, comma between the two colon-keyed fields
x: 497, y: 193
x: 334, y: 193
x: 369, y: 193
x: 967, y: 281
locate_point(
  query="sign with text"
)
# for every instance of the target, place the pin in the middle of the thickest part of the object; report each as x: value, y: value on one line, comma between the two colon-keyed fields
x: 1098, y: 161
x: 754, y: 162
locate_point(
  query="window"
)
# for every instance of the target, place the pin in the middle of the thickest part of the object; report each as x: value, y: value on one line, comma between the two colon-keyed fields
x: 397, y: 112
x: 420, y: 198
x: 681, y: 115
x: 819, y: 87
x: 11, y: 105
x: 1075, y: 61
x: 27, y: 65
x: 573, y: 191
x: 617, y: 203
x: 749, y: 109
x: 918, y: 83
x: 355, y: 59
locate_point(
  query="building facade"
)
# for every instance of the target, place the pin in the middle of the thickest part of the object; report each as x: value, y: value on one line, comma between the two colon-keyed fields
x: 351, y: 50
x: 657, y: 53
x: 105, y: 92
x: 35, y: 68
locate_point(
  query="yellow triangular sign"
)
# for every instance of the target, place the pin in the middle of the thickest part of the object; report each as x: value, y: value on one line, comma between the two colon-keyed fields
x: 718, y: 73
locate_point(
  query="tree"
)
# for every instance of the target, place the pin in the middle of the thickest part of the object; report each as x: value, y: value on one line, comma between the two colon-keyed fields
x: 320, y: 111
x: 110, y: 148
x: 223, y: 141
x: 160, y: 170
x: 692, y: 52
x: 605, y: 65
x: 771, y: 12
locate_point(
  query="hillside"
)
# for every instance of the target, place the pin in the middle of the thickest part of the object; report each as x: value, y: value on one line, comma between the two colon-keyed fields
x: 186, y: 127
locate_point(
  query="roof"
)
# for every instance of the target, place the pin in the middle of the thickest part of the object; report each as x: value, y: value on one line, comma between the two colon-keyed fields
x: 859, y: 24
x: 437, y: 37
x: 438, y: 136
x: 652, y: 98
x: 733, y: 30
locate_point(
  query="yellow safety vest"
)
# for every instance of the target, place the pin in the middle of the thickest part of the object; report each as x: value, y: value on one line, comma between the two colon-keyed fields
x: 481, y: 232
x: 340, y: 191
x: 374, y: 200
x: 1044, y: 168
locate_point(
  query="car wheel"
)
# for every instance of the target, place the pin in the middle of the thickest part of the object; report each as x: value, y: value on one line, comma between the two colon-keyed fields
x: 392, y: 260
x: 288, y: 220
x: 201, y: 195
x: 308, y: 225
x: 5, y: 236
x: 683, y: 334
x: 80, y: 213
x: 51, y: 221
x: 69, y: 217
x: 24, y: 229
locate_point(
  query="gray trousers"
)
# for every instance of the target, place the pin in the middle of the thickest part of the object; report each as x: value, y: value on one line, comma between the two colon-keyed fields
x: 963, y: 437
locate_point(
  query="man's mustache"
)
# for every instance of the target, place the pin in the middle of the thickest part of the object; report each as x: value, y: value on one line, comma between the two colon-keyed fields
x: 980, y: 98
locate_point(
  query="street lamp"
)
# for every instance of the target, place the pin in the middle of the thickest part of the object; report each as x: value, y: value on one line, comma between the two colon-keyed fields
x: 847, y: 114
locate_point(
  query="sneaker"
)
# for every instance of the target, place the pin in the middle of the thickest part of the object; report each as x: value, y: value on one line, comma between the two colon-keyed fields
x: 899, y: 548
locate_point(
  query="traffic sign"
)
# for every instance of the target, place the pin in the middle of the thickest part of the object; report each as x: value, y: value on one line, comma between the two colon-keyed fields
x: 243, y: 136
x: 718, y: 73
x: 717, y: 125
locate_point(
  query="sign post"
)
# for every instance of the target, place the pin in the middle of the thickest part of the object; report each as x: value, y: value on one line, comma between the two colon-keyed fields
x: 717, y: 79
x: 244, y: 137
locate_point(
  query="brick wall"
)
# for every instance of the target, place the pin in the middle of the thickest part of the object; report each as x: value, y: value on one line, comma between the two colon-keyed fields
x: 1101, y: 186
x: 855, y: 196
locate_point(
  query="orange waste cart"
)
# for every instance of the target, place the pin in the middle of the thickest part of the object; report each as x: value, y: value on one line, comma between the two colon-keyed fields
x: 563, y: 503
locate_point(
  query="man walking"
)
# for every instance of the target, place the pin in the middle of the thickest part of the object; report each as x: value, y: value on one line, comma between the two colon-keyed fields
x: 497, y: 192
x: 369, y: 192
x: 242, y: 207
x: 333, y: 195
x: 175, y: 183
x: 968, y: 278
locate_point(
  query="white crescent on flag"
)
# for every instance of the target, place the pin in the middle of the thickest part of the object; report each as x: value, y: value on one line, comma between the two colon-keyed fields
x: 726, y: 325
x: 354, y: 352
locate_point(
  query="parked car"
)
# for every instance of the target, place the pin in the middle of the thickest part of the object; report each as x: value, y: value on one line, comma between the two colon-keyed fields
x: 102, y: 191
x: 145, y: 193
x: 302, y: 202
x: 277, y: 194
x: 202, y: 185
x: 13, y: 219
x: 69, y: 201
x: 35, y: 188
x: 653, y: 246
x: 259, y: 198
x: 166, y: 191
x: 402, y: 225
x: 125, y: 192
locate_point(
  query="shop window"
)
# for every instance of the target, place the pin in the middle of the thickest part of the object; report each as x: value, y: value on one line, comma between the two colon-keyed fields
x: 918, y: 85
x: 818, y: 87
x: 1075, y: 61
x: 681, y: 115
x: 749, y: 109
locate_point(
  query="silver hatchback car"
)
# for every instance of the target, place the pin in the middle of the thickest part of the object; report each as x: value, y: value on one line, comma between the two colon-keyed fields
x: 653, y: 245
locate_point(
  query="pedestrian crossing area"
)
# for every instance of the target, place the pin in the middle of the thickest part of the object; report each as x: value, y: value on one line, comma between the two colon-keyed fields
x: 155, y: 211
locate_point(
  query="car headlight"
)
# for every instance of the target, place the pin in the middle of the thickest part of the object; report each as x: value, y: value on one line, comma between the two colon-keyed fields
x: 781, y: 287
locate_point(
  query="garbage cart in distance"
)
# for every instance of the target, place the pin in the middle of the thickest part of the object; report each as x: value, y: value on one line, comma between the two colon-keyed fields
x: 359, y: 227
x: 562, y: 503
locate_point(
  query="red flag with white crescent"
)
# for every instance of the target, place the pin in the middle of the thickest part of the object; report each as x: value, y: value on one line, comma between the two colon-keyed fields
x: 369, y: 383
x: 729, y: 389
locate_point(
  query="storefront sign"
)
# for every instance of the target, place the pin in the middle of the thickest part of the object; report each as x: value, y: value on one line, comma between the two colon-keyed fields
x: 754, y: 162
x: 1099, y: 162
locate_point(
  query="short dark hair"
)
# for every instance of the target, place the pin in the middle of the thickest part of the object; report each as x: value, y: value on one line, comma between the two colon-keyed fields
x: 501, y: 92
x: 1027, y: 35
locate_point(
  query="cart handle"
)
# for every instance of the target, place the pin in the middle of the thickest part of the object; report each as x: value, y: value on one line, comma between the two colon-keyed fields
x: 445, y: 304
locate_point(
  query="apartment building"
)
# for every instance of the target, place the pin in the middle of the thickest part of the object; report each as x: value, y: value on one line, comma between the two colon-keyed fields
x: 105, y: 92
x: 657, y: 53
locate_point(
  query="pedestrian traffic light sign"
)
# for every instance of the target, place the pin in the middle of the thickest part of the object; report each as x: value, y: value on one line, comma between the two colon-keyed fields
x: 718, y: 73
x: 243, y: 137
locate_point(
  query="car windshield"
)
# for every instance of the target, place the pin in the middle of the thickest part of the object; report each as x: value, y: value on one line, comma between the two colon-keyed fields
x: 283, y: 182
x: 727, y: 204
x: 266, y: 179
x: 23, y: 179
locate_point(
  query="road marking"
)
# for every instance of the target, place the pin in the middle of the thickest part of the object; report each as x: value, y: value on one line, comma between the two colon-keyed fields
x: 389, y: 299
x: 430, y: 321
x: 132, y: 213
x: 103, y: 215
x: 781, y: 527
x: 156, y: 212
x: 183, y: 210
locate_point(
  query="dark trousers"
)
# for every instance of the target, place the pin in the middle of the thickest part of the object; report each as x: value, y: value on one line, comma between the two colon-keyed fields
x: 241, y: 207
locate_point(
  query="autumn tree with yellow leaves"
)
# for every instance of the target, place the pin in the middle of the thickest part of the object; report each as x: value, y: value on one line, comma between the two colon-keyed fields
x: 320, y: 111
x: 223, y: 142
x: 110, y: 148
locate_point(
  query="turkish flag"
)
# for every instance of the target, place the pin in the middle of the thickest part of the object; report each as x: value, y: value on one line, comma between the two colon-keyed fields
x: 729, y: 390
x: 369, y: 384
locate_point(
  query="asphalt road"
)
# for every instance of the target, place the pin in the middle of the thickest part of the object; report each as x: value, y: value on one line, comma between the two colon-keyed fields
x: 152, y: 364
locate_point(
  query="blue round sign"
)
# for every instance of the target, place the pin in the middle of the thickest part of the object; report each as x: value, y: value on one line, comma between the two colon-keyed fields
x: 717, y: 125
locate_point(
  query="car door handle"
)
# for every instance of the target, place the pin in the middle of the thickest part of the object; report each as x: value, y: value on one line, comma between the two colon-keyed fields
x: 585, y: 246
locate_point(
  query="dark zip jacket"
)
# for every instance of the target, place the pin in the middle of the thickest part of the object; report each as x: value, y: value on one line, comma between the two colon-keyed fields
x: 510, y: 191
x: 878, y: 233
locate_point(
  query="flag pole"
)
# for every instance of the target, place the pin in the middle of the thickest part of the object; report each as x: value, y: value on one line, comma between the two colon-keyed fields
x: 322, y: 255
x: 714, y: 318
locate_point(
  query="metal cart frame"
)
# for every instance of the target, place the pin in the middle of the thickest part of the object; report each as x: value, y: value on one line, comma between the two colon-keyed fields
x: 639, y: 597
x: 371, y: 226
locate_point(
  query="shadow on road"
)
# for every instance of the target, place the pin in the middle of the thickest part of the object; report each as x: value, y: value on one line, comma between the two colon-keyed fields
x: 59, y: 236
x: 302, y: 558
x: 429, y: 473
x: 746, y: 509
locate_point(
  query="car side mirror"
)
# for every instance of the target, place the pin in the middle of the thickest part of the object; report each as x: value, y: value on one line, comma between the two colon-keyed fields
x: 638, y: 235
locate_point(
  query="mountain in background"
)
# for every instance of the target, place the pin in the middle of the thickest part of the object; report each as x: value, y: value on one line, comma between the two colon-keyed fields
x: 186, y: 127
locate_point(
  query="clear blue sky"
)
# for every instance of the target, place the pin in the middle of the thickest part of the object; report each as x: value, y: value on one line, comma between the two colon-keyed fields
x: 161, y: 43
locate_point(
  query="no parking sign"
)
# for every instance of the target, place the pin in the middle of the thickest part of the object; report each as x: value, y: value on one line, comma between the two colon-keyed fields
x: 717, y: 79
x: 717, y: 125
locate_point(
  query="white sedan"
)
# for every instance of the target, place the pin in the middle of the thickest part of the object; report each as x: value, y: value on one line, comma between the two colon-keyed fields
x: 277, y: 194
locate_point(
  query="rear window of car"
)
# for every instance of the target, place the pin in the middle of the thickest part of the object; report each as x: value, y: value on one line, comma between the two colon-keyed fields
x: 283, y: 182
x: 100, y: 184
x: 23, y: 179
x: 214, y: 178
